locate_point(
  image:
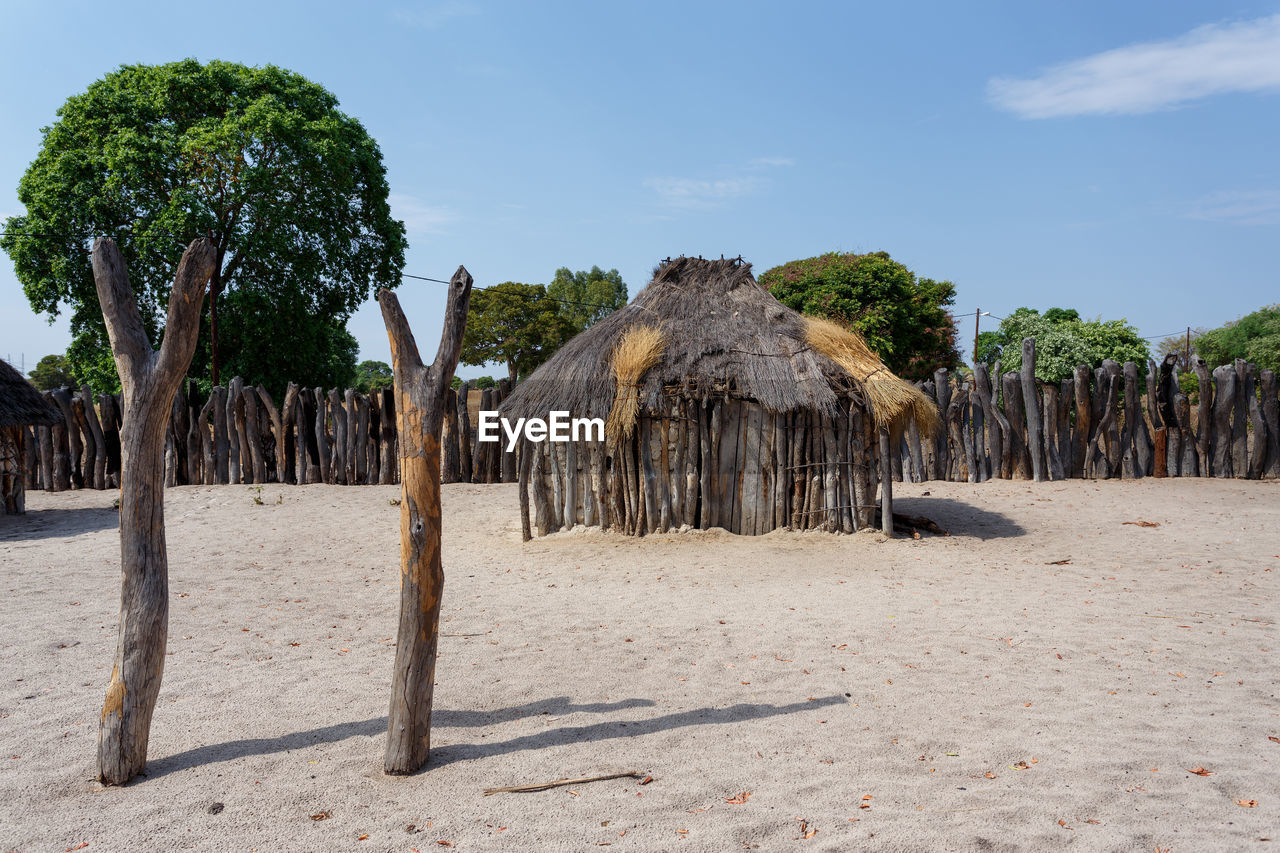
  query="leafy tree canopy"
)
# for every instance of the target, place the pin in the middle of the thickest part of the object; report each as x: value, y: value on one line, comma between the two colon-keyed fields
x: 587, y: 295
x: 904, y: 319
x: 373, y: 376
x: 515, y: 324
x: 292, y: 191
x: 52, y: 371
x: 1063, y: 341
x: 1254, y: 337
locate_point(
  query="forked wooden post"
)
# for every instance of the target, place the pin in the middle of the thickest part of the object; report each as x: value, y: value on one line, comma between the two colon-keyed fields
x: 421, y: 393
x: 149, y: 379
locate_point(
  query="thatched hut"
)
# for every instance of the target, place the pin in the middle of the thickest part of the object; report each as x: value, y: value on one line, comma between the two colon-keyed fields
x: 21, y: 407
x: 722, y: 408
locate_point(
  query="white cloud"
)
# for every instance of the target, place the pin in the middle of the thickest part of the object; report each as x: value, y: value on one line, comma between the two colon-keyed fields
x: 420, y: 218
x: 702, y: 193
x: 1243, y: 207
x: 692, y: 193
x: 434, y: 16
x: 1141, y: 78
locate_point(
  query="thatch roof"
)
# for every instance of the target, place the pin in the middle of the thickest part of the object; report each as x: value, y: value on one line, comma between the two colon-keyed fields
x: 20, y: 403
x: 722, y: 334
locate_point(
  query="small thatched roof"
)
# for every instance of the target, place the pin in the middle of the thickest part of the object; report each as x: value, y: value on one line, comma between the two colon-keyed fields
x: 722, y: 333
x: 20, y: 403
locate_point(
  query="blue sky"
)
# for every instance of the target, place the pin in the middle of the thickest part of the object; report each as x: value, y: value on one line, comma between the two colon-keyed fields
x: 1120, y: 159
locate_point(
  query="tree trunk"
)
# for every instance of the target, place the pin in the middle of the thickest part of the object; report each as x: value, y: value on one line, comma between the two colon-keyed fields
x: 419, y: 410
x: 149, y: 379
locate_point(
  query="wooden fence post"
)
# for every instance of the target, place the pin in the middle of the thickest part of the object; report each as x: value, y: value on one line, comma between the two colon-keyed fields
x: 1031, y: 404
x: 1204, y: 417
x: 1271, y: 415
x: 149, y: 379
x: 1224, y: 403
x: 420, y: 392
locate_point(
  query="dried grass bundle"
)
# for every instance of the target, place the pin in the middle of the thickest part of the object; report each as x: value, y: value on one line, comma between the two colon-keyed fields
x: 639, y: 349
x: 892, y: 400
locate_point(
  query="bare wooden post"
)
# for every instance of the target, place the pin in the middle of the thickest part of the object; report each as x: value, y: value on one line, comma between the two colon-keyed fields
x: 253, y: 435
x: 1271, y: 415
x: 449, y: 435
x: 1224, y: 403
x: 465, y: 462
x: 999, y: 426
x: 942, y: 391
x: 277, y: 428
x: 324, y: 460
x: 238, y: 462
x: 1239, y: 419
x: 420, y: 392
x: 1204, y: 417
x: 1031, y: 405
x: 388, y: 469
x: 149, y: 379
x: 99, y: 441
x: 886, y: 485
x: 111, y: 435
x: 206, y: 444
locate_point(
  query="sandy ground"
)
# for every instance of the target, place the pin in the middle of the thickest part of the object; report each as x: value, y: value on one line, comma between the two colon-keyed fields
x: 947, y: 693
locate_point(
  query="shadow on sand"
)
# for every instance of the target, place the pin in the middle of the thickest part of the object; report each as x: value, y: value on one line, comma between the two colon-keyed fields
x: 959, y: 518
x: 450, y: 753
x: 57, y: 523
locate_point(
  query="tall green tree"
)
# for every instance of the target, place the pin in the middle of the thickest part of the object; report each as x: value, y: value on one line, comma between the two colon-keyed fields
x: 587, y: 295
x: 1064, y: 341
x: 373, y: 376
x: 52, y: 371
x: 515, y: 324
x: 904, y: 319
x: 291, y: 190
x: 1254, y: 337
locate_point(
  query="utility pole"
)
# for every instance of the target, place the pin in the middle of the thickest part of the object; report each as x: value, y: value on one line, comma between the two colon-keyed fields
x: 977, y: 316
x: 1187, y: 360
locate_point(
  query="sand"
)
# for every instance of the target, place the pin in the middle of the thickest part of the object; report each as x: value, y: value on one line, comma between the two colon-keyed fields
x: 948, y: 693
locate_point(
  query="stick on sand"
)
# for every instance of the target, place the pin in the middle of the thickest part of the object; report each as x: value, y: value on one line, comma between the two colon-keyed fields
x: 543, y: 786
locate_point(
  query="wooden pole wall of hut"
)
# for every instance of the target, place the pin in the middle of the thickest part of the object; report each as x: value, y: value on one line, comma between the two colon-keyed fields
x: 886, y: 485
x: 150, y: 380
x: 420, y: 391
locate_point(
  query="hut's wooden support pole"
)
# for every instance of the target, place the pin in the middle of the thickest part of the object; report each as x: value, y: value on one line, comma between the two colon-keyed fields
x: 886, y: 485
x: 150, y: 379
x: 420, y: 391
